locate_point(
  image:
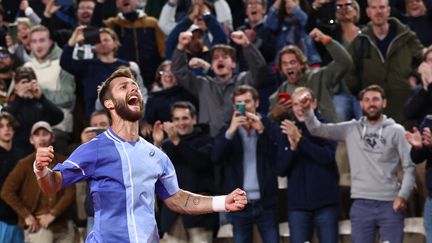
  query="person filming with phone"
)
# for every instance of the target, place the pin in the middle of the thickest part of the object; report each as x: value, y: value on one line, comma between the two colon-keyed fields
x: 246, y: 148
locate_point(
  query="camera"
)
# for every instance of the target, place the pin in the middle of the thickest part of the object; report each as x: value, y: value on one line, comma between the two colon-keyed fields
x: 91, y: 35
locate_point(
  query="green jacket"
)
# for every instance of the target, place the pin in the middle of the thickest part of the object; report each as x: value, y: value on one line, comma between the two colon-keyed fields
x: 321, y: 81
x: 370, y: 67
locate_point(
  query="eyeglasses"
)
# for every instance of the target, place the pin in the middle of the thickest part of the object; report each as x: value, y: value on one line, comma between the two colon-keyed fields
x: 166, y: 73
x: 344, y: 5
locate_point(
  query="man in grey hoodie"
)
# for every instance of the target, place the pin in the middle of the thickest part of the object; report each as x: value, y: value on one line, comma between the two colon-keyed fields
x: 376, y: 148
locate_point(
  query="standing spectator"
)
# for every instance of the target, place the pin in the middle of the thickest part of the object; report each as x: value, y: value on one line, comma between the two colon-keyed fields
x: 377, y: 149
x: 141, y: 39
x: 206, y: 32
x: 292, y: 64
x: 57, y: 85
x: 30, y: 106
x: 8, y: 65
x: 92, y: 72
x: 419, y: 19
x: 169, y: 15
x: 166, y: 93
x: 246, y: 148
x: 189, y: 147
x: 46, y: 218
x: 9, y: 156
x: 214, y: 92
x: 419, y: 103
x: 313, y: 178
x: 385, y: 53
x: 288, y: 20
x: 421, y: 141
x: 22, y: 49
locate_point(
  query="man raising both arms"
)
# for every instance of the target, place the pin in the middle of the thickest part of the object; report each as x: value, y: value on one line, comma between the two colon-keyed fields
x: 125, y: 171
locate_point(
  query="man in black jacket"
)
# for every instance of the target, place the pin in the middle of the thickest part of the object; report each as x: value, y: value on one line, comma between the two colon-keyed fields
x: 30, y: 106
x: 189, y: 147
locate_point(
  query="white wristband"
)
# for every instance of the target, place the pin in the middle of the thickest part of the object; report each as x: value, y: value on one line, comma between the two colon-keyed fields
x: 219, y: 204
x: 40, y: 173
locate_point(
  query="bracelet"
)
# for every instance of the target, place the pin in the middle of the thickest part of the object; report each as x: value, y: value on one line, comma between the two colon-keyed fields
x: 218, y: 204
x: 40, y: 173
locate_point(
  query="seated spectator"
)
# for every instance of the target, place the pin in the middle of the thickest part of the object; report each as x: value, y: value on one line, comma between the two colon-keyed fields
x: 141, y: 39
x: 9, y: 156
x: 8, y: 65
x: 92, y: 72
x: 58, y: 85
x: 171, y: 13
x: 313, y: 179
x: 288, y: 20
x: 214, y: 93
x: 30, y: 106
x: 206, y: 32
x: 166, y: 93
x: 292, y: 64
x: 246, y: 148
x: 44, y: 218
x: 188, y: 145
x: 419, y: 104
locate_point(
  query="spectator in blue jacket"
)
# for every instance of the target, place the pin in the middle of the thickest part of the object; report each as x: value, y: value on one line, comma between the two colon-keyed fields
x: 310, y: 165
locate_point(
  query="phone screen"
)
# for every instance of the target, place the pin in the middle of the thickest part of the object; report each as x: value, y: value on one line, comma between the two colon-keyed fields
x: 12, y: 31
x: 91, y: 35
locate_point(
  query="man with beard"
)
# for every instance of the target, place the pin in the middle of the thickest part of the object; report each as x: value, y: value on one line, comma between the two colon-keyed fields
x: 125, y: 172
x: 292, y: 63
x: 376, y: 149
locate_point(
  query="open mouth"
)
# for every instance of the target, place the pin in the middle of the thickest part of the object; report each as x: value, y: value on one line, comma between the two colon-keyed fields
x: 220, y: 66
x: 133, y: 100
x: 254, y: 13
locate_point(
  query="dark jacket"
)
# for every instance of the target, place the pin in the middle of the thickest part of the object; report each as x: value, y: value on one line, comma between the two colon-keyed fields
x: 28, y: 112
x: 313, y: 177
x: 419, y: 104
x: 22, y: 193
x: 229, y: 154
x: 8, y: 160
x: 158, y: 105
x: 141, y: 41
x: 425, y: 153
x: 391, y: 72
x: 194, y: 168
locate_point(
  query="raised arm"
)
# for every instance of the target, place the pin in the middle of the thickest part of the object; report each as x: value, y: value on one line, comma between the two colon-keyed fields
x: 49, y: 181
x: 190, y: 203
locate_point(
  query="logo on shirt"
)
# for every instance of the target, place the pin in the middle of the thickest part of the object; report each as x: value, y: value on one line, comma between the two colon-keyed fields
x: 374, y: 141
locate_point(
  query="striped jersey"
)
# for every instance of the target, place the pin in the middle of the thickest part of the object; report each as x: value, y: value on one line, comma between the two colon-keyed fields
x: 123, y: 177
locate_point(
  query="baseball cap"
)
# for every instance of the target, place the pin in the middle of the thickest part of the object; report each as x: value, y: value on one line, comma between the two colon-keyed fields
x: 41, y: 124
x: 4, y: 53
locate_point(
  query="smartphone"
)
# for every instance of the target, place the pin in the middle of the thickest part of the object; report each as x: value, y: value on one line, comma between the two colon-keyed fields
x: 241, y: 107
x: 63, y: 3
x: 13, y: 32
x: 91, y: 35
x: 97, y: 130
x: 284, y: 96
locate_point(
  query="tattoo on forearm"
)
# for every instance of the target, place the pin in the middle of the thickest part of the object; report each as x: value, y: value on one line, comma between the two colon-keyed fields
x: 196, y: 201
x: 187, y: 200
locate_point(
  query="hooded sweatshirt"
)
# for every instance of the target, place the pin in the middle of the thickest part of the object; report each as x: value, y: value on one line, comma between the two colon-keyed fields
x: 375, y: 153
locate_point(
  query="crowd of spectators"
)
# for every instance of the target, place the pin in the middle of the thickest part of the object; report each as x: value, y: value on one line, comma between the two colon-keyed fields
x: 222, y: 82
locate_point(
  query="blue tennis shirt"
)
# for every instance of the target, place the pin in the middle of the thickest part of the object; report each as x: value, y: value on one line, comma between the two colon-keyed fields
x: 123, y: 177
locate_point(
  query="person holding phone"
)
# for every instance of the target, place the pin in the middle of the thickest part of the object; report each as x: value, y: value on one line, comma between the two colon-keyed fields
x: 246, y: 149
x: 292, y: 64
